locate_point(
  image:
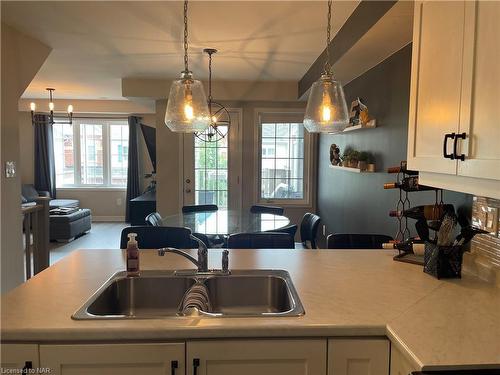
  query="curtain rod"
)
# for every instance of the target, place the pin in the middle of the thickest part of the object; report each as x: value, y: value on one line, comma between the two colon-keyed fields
x: 98, y: 117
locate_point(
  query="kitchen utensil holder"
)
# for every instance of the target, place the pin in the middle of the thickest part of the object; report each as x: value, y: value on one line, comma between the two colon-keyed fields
x: 443, y: 262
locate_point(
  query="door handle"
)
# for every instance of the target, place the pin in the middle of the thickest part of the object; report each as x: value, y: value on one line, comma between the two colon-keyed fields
x: 196, y: 364
x: 445, y: 146
x: 174, y: 365
x: 455, y: 141
x: 28, y: 365
x: 188, y: 190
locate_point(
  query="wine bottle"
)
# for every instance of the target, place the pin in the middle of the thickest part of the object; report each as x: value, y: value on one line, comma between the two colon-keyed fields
x: 427, y: 212
x: 411, y: 246
x: 408, y: 184
x: 403, y: 168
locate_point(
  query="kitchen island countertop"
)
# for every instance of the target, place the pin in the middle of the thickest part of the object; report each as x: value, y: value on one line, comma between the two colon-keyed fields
x: 437, y: 323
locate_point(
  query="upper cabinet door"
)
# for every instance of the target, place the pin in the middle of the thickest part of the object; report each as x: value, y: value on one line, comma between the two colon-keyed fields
x: 438, y: 38
x: 481, y: 91
x: 263, y: 357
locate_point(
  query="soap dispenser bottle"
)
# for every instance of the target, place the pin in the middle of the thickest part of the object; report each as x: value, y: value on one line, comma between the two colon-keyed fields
x: 132, y: 255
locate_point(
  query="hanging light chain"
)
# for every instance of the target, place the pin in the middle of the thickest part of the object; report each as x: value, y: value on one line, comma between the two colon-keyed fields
x: 210, y: 82
x: 186, y: 61
x: 328, y: 67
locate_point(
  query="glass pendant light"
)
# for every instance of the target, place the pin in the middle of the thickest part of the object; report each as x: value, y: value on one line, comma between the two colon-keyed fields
x: 326, y: 110
x: 187, y: 109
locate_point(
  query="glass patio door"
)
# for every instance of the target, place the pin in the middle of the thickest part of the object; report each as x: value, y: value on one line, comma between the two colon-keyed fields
x: 212, y: 169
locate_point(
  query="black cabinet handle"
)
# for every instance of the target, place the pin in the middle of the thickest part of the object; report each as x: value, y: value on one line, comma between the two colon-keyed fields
x: 196, y: 364
x: 455, y: 141
x: 445, y: 144
x: 28, y: 365
x: 174, y: 365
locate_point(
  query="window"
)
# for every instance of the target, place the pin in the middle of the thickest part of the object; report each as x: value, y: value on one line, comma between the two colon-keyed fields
x: 283, y: 158
x: 91, y: 153
x: 210, y: 164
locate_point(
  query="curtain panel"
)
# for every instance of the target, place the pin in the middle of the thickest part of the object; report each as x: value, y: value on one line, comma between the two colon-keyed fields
x: 133, y: 189
x: 45, y: 168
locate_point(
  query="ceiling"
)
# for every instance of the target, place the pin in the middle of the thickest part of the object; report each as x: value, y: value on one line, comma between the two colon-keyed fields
x: 96, y: 44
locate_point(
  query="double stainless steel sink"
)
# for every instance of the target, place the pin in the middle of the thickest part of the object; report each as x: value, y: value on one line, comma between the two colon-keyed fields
x: 159, y: 294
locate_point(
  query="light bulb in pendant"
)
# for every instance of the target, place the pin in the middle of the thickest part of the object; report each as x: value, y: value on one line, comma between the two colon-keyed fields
x: 33, y: 107
x: 51, y: 106
x: 214, y: 119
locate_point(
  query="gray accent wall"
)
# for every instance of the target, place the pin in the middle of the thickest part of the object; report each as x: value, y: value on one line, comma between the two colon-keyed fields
x: 356, y: 202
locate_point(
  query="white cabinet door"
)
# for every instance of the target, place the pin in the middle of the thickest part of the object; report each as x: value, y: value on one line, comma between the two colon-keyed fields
x: 19, y: 356
x: 250, y: 357
x: 400, y: 365
x: 435, y: 89
x: 358, y: 357
x: 481, y: 91
x: 113, y: 359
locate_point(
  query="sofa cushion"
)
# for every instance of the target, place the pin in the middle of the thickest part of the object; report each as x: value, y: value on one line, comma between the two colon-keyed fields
x: 29, y: 192
x: 54, y: 203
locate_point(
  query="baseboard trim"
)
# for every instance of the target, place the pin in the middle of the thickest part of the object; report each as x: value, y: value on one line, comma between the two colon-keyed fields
x: 108, y: 218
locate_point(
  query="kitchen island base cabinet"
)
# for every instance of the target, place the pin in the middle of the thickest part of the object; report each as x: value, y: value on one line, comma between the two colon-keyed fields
x: 358, y: 356
x: 113, y: 359
x: 19, y: 356
x: 263, y: 357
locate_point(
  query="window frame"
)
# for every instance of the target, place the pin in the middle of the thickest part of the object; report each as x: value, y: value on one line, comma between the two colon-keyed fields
x: 106, y: 123
x: 306, y: 201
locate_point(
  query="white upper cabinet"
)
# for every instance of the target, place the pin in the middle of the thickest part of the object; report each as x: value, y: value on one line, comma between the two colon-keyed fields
x: 435, y: 83
x: 454, y: 132
x: 480, y: 119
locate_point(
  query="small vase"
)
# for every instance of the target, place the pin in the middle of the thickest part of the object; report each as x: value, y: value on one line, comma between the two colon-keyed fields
x: 362, y: 165
x: 370, y: 167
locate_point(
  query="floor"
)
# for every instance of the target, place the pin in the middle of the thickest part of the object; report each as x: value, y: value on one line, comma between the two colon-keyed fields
x: 101, y: 236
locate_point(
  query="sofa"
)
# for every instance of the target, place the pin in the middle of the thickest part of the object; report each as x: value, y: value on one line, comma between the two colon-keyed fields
x: 30, y: 194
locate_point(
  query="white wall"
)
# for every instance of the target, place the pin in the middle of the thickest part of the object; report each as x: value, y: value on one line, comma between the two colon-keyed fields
x: 22, y: 57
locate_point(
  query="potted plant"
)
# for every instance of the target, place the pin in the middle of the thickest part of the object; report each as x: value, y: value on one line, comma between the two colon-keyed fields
x: 347, y: 156
x: 370, y: 162
x: 363, y: 160
x: 354, y: 159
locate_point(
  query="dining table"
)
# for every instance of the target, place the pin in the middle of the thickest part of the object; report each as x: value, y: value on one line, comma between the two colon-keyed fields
x: 226, y: 221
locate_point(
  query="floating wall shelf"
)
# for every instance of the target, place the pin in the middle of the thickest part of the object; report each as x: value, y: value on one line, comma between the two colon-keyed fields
x: 356, y: 127
x: 349, y: 169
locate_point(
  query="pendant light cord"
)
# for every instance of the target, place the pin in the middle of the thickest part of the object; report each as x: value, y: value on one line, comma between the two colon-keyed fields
x: 210, y: 82
x: 186, y: 61
x: 328, y: 67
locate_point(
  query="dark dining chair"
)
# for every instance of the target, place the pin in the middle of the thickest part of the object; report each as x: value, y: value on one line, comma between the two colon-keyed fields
x: 356, y: 241
x: 290, y: 229
x: 199, y: 208
x: 150, y: 237
x: 260, y: 209
x: 309, y: 230
x: 260, y: 240
x: 153, y: 219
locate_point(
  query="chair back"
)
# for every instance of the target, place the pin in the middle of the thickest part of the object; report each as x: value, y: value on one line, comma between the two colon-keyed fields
x: 149, y: 237
x: 260, y: 209
x: 309, y: 229
x: 356, y: 241
x: 153, y: 219
x: 199, y: 208
x: 260, y: 240
x: 290, y: 229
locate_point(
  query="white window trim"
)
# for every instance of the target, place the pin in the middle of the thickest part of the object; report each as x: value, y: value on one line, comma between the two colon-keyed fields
x: 106, y: 141
x: 308, y: 160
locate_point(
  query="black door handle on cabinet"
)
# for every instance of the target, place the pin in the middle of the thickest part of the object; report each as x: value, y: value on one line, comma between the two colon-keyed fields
x: 445, y: 144
x: 455, y: 141
x: 196, y: 364
x: 28, y: 365
x: 174, y: 365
